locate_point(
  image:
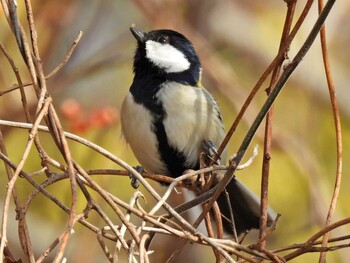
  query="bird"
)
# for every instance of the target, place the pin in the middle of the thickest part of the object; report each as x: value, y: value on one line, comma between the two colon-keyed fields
x: 168, y: 118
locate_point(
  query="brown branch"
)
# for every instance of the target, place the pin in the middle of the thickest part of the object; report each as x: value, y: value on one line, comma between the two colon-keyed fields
x: 268, y: 128
x: 337, y: 123
x: 53, y: 72
x: 299, y: 245
x: 17, y: 172
x: 305, y: 248
x: 73, y: 183
x: 34, y: 67
x: 23, y: 227
x: 109, y: 200
x: 103, y: 245
x: 279, y: 57
x: 67, y: 57
x: 52, y: 180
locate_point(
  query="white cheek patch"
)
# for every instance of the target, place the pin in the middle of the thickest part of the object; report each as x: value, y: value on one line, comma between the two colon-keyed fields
x: 167, y: 57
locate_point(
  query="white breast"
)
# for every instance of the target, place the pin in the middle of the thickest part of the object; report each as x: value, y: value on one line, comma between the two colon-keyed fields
x: 137, y: 129
x: 191, y: 117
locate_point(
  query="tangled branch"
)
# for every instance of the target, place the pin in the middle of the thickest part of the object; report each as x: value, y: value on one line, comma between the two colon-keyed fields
x: 137, y: 227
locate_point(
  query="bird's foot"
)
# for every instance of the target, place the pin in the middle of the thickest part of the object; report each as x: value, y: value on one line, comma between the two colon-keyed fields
x: 134, y: 182
x: 211, y: 151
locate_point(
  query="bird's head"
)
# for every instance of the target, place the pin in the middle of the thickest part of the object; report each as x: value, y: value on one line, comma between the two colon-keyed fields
x: 168, y: 54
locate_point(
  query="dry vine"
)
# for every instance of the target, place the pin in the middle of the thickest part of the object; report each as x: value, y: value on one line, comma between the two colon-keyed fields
x: 131, y: 237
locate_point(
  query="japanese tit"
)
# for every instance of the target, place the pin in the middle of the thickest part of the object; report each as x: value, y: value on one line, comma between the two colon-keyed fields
x: 168, y: 119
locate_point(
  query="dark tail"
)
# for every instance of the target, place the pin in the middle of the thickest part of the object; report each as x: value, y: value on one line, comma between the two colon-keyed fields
x: 245, y: 208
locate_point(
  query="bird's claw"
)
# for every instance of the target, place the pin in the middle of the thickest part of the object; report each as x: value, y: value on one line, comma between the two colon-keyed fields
x: 134, y: 182
x: 211, y: 151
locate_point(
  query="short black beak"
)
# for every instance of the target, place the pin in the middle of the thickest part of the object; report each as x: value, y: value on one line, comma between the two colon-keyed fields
x: 138, y: 34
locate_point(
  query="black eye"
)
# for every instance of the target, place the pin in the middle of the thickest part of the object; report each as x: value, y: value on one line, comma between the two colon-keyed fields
x: 163, y: 39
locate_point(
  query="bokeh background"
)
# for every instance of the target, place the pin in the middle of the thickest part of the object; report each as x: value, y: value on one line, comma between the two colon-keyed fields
x: 236, y: 41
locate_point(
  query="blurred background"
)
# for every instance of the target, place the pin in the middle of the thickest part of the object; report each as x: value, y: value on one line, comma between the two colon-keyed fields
x: 236, y: 41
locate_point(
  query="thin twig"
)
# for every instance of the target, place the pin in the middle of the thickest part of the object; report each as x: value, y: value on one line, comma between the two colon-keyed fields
x: 112, y: 157
x: 73, y: 184
x: 280, y: 56
x: 143, y: 252
x: 54, y: 71
x: 339, y: 141
x: 296, y: 246
x: 103, y: 245
x: 268, y: 129
x: 11, y: 183
x: 127, y: 217
x: 23, y: 228
x: 67, y: 57
x: 108, y: 199
x: 265, y: 108
x: 309, y: 243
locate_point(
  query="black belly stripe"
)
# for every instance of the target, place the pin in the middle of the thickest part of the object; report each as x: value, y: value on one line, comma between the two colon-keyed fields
x: 144, y: 91
x: 173, y: 159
